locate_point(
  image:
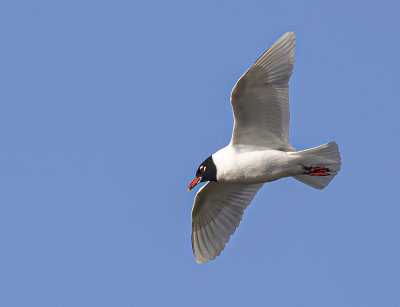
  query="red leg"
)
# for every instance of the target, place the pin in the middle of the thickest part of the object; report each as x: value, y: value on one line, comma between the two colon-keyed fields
x: 316, y: 171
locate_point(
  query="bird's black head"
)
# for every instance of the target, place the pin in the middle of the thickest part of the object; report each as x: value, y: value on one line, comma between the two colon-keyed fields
x: 207, y: 171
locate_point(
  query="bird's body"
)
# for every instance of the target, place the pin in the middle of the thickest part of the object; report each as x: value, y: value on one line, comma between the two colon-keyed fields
x: 258, y: 152
x: 240, y: 165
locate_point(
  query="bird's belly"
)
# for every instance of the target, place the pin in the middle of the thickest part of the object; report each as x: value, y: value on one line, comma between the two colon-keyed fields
x: 257, y: 167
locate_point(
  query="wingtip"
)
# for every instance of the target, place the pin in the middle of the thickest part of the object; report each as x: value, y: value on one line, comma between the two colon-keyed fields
x: 287, y: 36
x: 290, y: 35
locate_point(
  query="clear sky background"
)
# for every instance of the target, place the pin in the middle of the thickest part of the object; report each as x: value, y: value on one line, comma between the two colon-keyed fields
x: 108, y: 107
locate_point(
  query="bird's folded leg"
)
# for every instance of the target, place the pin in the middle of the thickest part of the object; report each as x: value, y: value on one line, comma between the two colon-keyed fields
x: 316, y: 170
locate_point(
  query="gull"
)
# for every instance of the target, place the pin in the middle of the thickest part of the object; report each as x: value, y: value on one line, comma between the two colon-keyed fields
x: 259, y: 152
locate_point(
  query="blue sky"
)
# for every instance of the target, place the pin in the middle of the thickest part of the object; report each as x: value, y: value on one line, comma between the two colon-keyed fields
x: 108, y: 107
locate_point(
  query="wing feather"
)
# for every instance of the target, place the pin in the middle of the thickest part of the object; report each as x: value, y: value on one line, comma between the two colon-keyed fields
x: 260, y: 99
x: 217, y: 211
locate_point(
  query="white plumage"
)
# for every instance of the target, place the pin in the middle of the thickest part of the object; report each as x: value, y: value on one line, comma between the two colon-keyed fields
x: 259, y: 152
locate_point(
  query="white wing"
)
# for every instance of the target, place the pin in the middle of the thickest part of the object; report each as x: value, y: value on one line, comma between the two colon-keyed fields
x: 217, y: 211
x: 260, y: 99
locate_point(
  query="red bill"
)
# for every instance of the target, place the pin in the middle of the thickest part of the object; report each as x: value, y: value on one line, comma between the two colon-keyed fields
x: 195, y: 182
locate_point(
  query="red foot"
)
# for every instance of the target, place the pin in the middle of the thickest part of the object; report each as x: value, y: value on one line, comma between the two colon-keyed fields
x: 316, y: 171
x: 318, y: 174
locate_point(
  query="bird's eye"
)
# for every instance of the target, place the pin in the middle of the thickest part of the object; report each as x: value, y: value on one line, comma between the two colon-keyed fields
x: 202, y: 169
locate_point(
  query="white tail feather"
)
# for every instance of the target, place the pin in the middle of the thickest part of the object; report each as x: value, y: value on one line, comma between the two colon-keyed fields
x: 326, y: 155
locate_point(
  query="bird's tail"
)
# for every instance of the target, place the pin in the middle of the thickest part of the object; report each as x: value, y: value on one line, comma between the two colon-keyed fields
x: 321, y: 164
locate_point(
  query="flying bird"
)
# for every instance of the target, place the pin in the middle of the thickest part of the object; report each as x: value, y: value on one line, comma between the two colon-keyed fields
x: 258, y: 152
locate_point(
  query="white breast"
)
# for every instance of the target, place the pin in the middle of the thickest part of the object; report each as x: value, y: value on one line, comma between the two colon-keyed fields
x: 246, y: 165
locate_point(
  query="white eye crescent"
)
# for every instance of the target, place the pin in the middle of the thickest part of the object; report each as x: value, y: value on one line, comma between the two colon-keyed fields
x: 202, y: 169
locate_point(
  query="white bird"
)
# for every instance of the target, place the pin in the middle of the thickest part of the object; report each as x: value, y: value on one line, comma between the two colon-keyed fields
x: 258, y: 152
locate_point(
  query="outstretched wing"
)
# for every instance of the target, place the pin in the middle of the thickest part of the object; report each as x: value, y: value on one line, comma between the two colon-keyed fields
x: 260, y: 99
x: 217, y: 211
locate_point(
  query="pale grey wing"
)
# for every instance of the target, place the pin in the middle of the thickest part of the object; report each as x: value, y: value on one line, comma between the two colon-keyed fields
x: 260, y: 99
x: 217, y: 211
